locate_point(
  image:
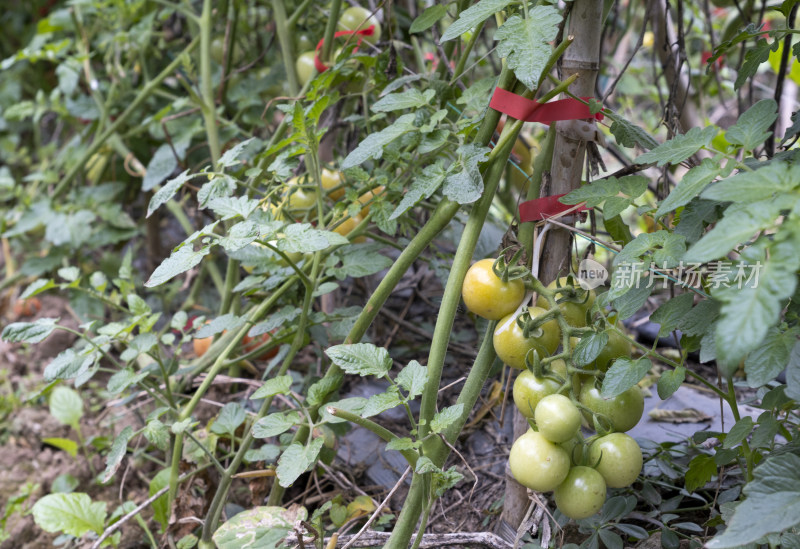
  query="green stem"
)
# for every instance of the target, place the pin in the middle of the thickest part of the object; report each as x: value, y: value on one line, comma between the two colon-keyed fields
x: 101, y: 139
x: 207, y: 85
x: 542, y: 164
x: 285, y: 40
x: 748, y: 452
x: 462, y: 60
x: 330, y: 30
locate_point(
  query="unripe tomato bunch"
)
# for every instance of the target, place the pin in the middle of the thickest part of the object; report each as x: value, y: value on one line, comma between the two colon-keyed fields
x: 351, y: 19
x: 555, y: 394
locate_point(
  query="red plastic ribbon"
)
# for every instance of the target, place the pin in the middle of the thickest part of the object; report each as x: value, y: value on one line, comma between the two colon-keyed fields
x: 529, y: 110
x: 549, y: 206
x: 322, y: 67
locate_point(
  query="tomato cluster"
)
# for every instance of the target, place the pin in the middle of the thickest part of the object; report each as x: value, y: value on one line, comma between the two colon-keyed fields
x: 352, y: 19
x: 554, y: 394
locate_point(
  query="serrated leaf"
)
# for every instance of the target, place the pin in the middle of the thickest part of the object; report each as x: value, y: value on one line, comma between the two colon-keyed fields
x: 670, y: 381
x: 412, y: 378
x: 66, y: 406
x: 427, y: 18
x: 670, y: 313
x: 589, y: 348
x: 296, y: 459
x: 752, y: 186
x: 74, y: 514
x: 262, y: 527
x: 770, y: 358
x: 160, y: 167
x: 363, y: 359
x: 320, y: 390
x: 377, y: 404
x: 445, y: 417
x: 275, y: 424
x: 464, y: 183
x: 400, y: 444
x: 233, y: 155
x: 218, y: 325
x: 738, y: 432
x: 472, y: 16
x: 424, y: 185
x: 701, y: 469
x: 219, y: 187
x: 179, y: 261
x: 280, y: 385
x: 372, y: 146
x: 118, y: 449
x: 594, y: 193
x: 425, y: 465
x: 690, y: 186
x: 231, y: 206
x: 525, y: 43
x: 748, y: 313
x: 229, y: 419
x: 303, y: 238
x: 772, y: 503
x: 750, y: 130
x: 167, y: 192
x: 753, y: 58
x: 629, y: 135
x: 157, y: 434
x: 124, y: 379
x: 409, y: 99
x: 68, y: 445
x: 697, y: 321
x: 623, y: 374
x: 615, y: 206
x: 680, y: 147
x: 37, y: 287
x: 29, y: 332
x: 69, y: 365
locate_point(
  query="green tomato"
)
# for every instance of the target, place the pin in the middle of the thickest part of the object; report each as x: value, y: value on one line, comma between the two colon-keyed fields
x: 304, y: 65
x: 485, y: 293
x: 299, y: 198
x: 618, y: 458
x: 557, y: 418
x: 357, y: 18
x: 570, y: 446
x: 528, y: 389
x: 582, y: 493
x: 512, y: 346
x: 573, y: 303
x: 303, y: 43
x: 624, y: 410
x: 537, y: 463
x: 617, y: 346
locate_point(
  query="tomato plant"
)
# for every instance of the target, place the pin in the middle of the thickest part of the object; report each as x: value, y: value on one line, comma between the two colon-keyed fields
x: 528, y: 389
x: 623, y: 411
x: 512, y: 346
x: 489, y: 296
x: 538, y: 463
x: 618, y: 458
x: 557, y: 418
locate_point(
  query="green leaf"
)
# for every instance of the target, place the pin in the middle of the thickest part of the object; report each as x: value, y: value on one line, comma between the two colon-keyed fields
x: 296, y: 459
x: 442, y: 419
x: 400, y: 444
x: 69, y: 364
x: 229, y: 419
x: 670, y: 313
x: 697, y: 321
x: 425, y: 465
x: 161, y: 505
x: 157, y: 434
x: 303, y: 238
x: 229, y: 207
x: 525, y: 43
x: 740, y: 223
x: 258, y: 528
x: 354, y: 405
x: 629, y: 135
x: 124, y: 379
x: 445, y: 480
x: 66, y: 406
x: 409, y: 99
x: 615, y: 206
x: 663, y: 247
x: 377, y: 404
x: 218, y: 325
x: 701, y: 469
x: 464, y: 183
x: 160, y: 167
x: 589, y: 348
x: 631, y: 301
x: 427, y: 18
x: 37, y: 287
x: 284, y: 315
x: 594, y: 193
x: 424, y: 185
x: 74, y: 514
x: 179, y: 261
x: 363, y: 359
x: 472, y: 16
x: 750, y: 130
x: 680, y: 147
x: 753, y: 57
x: 772, y: 503
x: 234, y: 155
x: 372, y: 146
x: 275, y: 424
x: 752, y: 186
x: 29, y: 332
x: 670, y: 381
x: 770, y: 358
x: 693, y: 182
x: 118, y: 449
x: 749, y: 312
x: 738, y: 432
x: 167, y: 192
x: 793, y: 374
x: 66, y: 444
x: 280, y: 385
x: 623, y: 374
x: 412, y: 378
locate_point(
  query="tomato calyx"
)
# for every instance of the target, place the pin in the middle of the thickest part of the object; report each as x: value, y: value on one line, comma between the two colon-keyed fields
x: 571, y: 292
x: 532, y: 327
x: 508, y: 269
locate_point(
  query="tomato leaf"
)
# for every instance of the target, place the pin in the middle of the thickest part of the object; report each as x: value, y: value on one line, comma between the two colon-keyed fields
x: 464, y: 183
x: 425, y: 184
x: 701, y: 469
x: 752, y: 186
x: 275, y: 424
x: 118, y: 450
x: 446, y: 416
x: 29, y: 332
x: 296, y: 459
x: 772, y: 503
x: 680, y: 147
x: 427, y: 18
x: 363, y: 359
x: 738, y: 432
x: 750, y: 130
x: 372, y: 145
x: 229, y: 419
x: 405, y: 100
x: 623, y: 374
x: 179, y: 261
x: 670, y: 313
x: 589, y: 348
x: 690, y: 185
x: 66, y: 406
x: 260, y: 527
x: 279, y: 385
x: 412, y: 378
x: 764, y: 363
x: 472, y: 16
x: 377, y: 404
x: 525, y: 43
x: 670, y: 381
